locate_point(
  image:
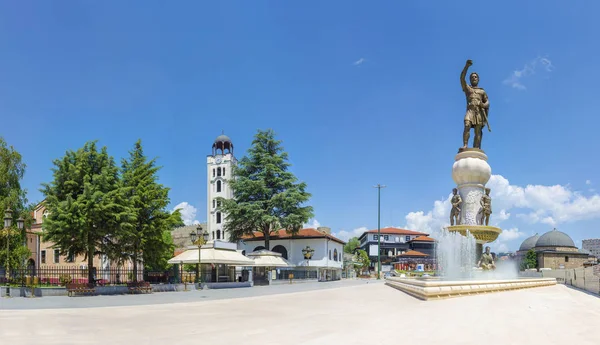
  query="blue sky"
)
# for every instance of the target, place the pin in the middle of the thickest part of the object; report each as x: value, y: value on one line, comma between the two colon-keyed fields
x: 359, y: 93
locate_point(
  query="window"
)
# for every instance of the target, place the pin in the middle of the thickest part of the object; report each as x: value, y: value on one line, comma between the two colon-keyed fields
x: 214, y: 203
x: 566, y: 259
x: 218, y: 186
x: 407, y: 238
x: 218, y: 219
x: 218, y: 234
x: 223, y: 171
x: 386, y: 237
x: 213, y: 235
x: 219, y: 171
x: 213, y: 172
x: 70, y: 258
x: 329, y: 254
x: 56, y: 256
x: 43, y: 256
x: 335, y: 255
x: 374, y: 237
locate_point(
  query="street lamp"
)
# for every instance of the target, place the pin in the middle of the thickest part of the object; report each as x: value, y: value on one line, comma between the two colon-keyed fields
x: 7, y: 224
x: 379, y: 229
x: 198, y: 238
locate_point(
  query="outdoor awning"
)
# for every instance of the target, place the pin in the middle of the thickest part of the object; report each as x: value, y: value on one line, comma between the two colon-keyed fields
x: 212, y: 256
x: 266, y: 258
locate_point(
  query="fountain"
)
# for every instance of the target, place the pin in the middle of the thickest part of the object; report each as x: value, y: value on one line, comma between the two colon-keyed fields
x: 459, y: 247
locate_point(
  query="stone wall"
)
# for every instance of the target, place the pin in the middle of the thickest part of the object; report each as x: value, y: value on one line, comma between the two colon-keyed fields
x: 555, y: 260
x: 582, y: 278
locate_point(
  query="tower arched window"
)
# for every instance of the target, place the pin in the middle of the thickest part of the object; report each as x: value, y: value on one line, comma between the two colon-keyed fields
x: 218, y: 234
x: 218, y: 186
x: 213, y: 172
x: 335, y: 255
x: 219, y: 171
x: 223, y: 171
x: 218, y: 217
x: 329, y: 254
x: 213, y: 235
x: 214, y: 203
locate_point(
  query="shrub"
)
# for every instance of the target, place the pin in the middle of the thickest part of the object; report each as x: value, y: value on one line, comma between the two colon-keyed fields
x: 65, y: 279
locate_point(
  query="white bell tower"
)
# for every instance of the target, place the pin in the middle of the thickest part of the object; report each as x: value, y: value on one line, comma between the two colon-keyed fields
x: 219, y: 171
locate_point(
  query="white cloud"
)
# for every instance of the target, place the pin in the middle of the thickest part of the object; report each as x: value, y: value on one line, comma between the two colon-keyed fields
x: 313, y: 223
x: 188, y: 213
x: 588, y: 182
x: 431, y: 221
x: 359, y: 62
x: 510, y: 234
x: 346, y: 235
x: 515, y: 79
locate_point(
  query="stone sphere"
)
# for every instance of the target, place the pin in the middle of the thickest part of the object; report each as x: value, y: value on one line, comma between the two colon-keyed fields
x: 471, y: 167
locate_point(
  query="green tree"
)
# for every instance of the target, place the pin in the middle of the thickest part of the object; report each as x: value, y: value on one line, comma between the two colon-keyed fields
x: 145, y: 241
x: 87, y: 206
x: 266, y: 196
x: 363, y: 260
x: 12, y: 170
x: 351, y: 246
x: 530, y: 260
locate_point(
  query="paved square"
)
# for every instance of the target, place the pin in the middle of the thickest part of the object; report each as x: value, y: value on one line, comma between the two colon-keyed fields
x: 360, y: 314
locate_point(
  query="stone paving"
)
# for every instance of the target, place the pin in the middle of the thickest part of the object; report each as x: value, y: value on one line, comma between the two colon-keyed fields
x: 345, y: 314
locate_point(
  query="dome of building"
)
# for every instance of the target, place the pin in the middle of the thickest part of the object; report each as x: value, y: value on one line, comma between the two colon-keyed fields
x: 529, y: 243
x: 222, y: 143
x: 555, y: 238
x: 222, y: 139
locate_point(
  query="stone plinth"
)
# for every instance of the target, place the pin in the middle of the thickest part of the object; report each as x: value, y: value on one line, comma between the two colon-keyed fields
x: 438, y: 289
x: 470, y: 172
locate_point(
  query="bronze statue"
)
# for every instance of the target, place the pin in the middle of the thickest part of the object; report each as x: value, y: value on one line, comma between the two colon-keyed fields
x: 477, y: 107
x: 486, y: 208
x: 455, y: 212
x: 487, y: 260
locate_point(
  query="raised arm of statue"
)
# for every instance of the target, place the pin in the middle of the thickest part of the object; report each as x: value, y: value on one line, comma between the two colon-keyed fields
x: 463, y: 75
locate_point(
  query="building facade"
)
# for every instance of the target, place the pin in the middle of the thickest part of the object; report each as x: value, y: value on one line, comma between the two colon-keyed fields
x: 394, y: 243
x: 592, y: 246
x: 219, y: 167
x: 327, y: 252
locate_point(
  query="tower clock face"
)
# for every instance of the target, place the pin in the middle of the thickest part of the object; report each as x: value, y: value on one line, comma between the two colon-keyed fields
x: 218, y: 160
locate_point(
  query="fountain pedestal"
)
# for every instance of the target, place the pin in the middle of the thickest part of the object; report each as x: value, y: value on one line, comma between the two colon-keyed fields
x: 471, y: 172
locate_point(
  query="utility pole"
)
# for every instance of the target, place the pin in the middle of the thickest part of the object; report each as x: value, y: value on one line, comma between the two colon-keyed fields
x: 379, y: 229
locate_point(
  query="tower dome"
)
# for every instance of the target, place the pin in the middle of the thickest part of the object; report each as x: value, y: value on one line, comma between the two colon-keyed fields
x: 555, y: 238
x: 222, y: 142
x: 529, y: 243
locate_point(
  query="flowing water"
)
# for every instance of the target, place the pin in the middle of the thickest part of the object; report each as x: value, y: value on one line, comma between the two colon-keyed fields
x: 455, y: 255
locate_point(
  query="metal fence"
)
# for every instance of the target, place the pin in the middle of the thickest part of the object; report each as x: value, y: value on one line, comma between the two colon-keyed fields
x: 107, y: 276
x: 298, y: 274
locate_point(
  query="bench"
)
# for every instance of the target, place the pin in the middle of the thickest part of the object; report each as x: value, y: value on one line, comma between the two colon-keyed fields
x: 74, y: 288
x: 139, y: 287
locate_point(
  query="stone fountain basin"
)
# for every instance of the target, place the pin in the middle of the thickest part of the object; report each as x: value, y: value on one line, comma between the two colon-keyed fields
x: 430, y: 289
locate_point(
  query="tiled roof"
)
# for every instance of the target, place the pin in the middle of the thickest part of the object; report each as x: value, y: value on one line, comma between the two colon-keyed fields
x: 413, y: 253
x: 283, y: 234
x: 396, y: 231
x: 424, y: 239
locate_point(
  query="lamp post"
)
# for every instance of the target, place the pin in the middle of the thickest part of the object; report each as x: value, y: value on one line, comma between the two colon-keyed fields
x: 198, y: 238
x: 379, y: 229
x: 7, y: 224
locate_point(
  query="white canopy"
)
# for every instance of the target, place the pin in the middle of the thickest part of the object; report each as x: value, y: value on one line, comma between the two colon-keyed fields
x: 212, y: 256
x: 266, y: 258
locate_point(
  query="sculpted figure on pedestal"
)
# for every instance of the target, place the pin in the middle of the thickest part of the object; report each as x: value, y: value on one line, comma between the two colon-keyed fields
x: 487, y: 260
x: 486, y: 208
x: 477, y: 107
x: 456, y: 202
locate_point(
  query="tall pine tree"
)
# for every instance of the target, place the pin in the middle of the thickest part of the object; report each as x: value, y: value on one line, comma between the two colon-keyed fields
x: 87, y: 206
x: 145, y: 240
x: 266, y: 196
